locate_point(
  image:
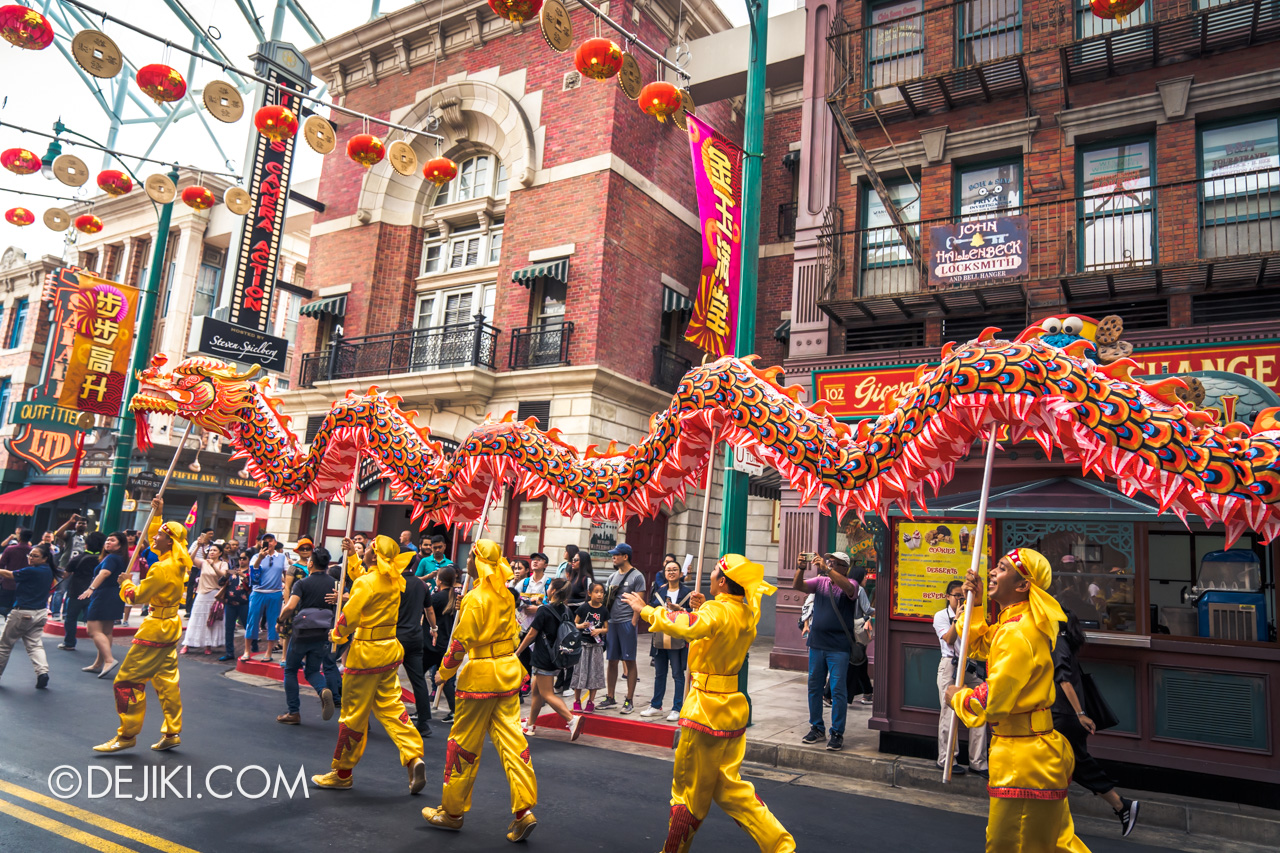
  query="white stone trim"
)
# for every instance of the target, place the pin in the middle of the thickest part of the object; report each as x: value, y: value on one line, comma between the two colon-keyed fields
x: 961, y: 143
x: 668, y: 281
x: 777, y: 250
x: 334, y: 290
x: 552, y: 253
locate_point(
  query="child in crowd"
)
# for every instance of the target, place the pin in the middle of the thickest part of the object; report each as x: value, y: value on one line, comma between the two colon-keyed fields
x: 593, y: 621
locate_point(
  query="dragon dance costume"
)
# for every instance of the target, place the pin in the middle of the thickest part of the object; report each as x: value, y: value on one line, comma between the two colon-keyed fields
x: 714, y: 717
x: 369, y: 682
x: 488, y: 698
x: 153, y: 656
x: 1030, y: 763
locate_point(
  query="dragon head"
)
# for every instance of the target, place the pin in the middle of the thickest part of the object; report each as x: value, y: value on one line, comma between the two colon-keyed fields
x: 208, y: 392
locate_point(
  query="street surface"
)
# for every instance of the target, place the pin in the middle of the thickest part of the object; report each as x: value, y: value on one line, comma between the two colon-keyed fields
x: 590, y: 798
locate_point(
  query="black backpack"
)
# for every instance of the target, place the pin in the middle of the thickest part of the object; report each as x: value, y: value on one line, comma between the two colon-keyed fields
x: 566, y: 649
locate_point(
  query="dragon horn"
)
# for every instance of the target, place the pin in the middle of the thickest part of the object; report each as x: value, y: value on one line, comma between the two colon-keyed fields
x: 248, y: 374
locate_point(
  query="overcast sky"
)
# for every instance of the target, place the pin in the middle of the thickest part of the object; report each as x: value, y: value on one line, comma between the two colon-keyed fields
x: 41, y: 87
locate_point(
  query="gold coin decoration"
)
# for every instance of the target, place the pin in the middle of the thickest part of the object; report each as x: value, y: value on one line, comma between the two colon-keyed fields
x: 320, y: 135
x: 223, y: 101
x: 160, y: 189
x: 237, y: 200
x: 403, y: 158
x: 686, y: 101
x: 557, y: 28
x: 630, y: 81
x: 681, y: 117
x: 57, y: 219
x: 85, y: 422
x: 96, y: 53
x: 71, y: 170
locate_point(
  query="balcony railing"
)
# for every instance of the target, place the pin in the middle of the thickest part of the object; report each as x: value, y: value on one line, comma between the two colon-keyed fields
x: 1191, y: 30
x: 787, y: 221
x: 668, y: 369
x: 883, y: 66
x: 540, y: 346
x: 1213, y: 232
x: 407, y: 351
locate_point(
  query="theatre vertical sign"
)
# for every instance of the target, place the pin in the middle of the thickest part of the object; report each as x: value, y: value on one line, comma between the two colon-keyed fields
x: 258, y: 252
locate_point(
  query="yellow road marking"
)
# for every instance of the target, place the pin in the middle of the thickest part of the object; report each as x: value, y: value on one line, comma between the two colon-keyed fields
x: 62, y: 829
x: 112, y: 826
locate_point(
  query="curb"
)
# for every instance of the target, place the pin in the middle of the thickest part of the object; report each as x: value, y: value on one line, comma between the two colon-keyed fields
x: 1232, y: 821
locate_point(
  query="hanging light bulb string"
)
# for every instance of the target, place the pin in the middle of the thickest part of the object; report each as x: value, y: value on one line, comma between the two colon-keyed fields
x: 117, y: 154
x: 630, y: 37
x: 228, y: 68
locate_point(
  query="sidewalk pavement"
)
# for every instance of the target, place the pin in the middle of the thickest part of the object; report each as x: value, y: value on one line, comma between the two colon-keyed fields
x: 780, y: 718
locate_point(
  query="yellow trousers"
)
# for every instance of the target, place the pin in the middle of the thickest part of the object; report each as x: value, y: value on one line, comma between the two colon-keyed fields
x: 376, y: 693
x: 1032, y: 826
x: 500, y: 717
x: 157, y: 663
x: 706, y: 769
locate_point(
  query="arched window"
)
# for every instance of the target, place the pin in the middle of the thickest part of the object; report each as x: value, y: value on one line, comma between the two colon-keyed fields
x: 477, y: 178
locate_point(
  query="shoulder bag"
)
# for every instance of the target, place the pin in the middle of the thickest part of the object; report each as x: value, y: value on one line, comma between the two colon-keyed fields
x: 857, y: 650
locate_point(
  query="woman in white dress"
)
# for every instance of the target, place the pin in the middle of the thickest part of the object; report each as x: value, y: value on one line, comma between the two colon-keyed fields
x: 201, y: 631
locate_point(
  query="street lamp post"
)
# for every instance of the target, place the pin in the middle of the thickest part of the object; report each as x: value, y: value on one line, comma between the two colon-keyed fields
x: 141, y: 355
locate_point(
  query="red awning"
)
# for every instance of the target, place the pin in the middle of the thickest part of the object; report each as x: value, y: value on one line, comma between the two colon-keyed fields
x: 24, y: 501
x: 259, y: 507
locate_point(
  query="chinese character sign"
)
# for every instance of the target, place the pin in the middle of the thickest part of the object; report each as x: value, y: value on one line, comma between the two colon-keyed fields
x: 717, y: 174
x: 103, y: 315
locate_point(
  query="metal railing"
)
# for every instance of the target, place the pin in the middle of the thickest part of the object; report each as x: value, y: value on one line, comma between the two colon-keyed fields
x: 787, y: 221
x: 406, y: 351
x: 1106, y: 232
x: 540, y: 346
x: 668, y: 369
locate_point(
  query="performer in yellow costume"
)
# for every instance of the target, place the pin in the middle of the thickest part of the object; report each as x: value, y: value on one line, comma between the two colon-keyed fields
x: 369, y: 682
x: 488, y: 697
x: 1030, y: 763
x: 714, y: 717
x: 153, y: 656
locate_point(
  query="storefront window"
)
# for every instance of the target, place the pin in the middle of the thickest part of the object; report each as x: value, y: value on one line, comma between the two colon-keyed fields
x: 1200, y: 588
x: 1093, y: 568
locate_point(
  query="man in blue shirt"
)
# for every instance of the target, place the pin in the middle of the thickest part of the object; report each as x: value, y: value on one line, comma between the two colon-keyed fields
x: 267, y: 576
x: 30, y: 611
x: 431, y: 564
x: 406, y: 542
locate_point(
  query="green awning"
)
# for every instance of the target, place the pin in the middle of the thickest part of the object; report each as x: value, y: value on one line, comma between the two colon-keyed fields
x: 674, y: 300
x: 334, y: 306
x: 554, y: 270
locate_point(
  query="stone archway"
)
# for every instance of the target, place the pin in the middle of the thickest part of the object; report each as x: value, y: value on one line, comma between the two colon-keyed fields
x: 474, y: 116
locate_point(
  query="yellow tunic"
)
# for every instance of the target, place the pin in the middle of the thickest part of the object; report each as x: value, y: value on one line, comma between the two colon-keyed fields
x: 709, y: 756
x: 369, y: 682
x: 488, y: 699
x: 1030, y: 763
x: 153, y: 655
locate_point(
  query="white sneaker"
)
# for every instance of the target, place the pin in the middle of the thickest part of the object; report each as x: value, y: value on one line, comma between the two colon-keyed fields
x: 651, y: 712
x: 567, y: 693
x: 575, y: 727
x: 673, y: 717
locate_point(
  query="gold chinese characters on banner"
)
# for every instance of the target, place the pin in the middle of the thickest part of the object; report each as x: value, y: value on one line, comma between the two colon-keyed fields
x: 103, y: 314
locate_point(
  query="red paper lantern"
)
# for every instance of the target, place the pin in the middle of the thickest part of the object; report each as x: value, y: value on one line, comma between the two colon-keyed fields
x: 113, y: 182
x: 20, y: 161
x: 516, y: 10
x: 440, y: 171
x: 162, y: 83
x: 598, y: 58
x: 19, y: 216
x: 1114, y: 10
x: 366, y: 149
x: 660, y: 100
x: 276, y: 123
x: 25, y: 28
x: 88, y: 224
x: 198, y: 198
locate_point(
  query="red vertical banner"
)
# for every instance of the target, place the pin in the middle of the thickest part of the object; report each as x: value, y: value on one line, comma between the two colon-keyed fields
x: 103, y: 314
x: 717, y: 174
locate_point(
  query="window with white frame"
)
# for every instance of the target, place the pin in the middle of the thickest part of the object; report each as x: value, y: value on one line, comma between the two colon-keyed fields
x: 464, y: 248
x: 444, y: 321
x: 478, y: 177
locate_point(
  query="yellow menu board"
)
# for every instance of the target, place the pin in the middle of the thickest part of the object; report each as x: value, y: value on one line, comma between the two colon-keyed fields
x: 927, y: 555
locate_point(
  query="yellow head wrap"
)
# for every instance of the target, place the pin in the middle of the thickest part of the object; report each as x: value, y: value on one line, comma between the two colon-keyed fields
x: 1045, y: 610
x: 749, y: 576
x: 390, y: 561
x: 493, y: 569
x: 178, y: 553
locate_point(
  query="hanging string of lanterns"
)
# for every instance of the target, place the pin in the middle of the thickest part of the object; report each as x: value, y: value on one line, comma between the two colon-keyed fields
x: 366, y: 149
x: 25, y: 28
x: 20, y: 161
x: 276, y: 122
x: 88, y: 224
x: 19, y: 216
x: 162, y: 82
x: 114, y: 183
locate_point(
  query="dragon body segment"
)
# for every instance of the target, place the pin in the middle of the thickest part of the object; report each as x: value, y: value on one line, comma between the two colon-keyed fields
x: 1135, y: 433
